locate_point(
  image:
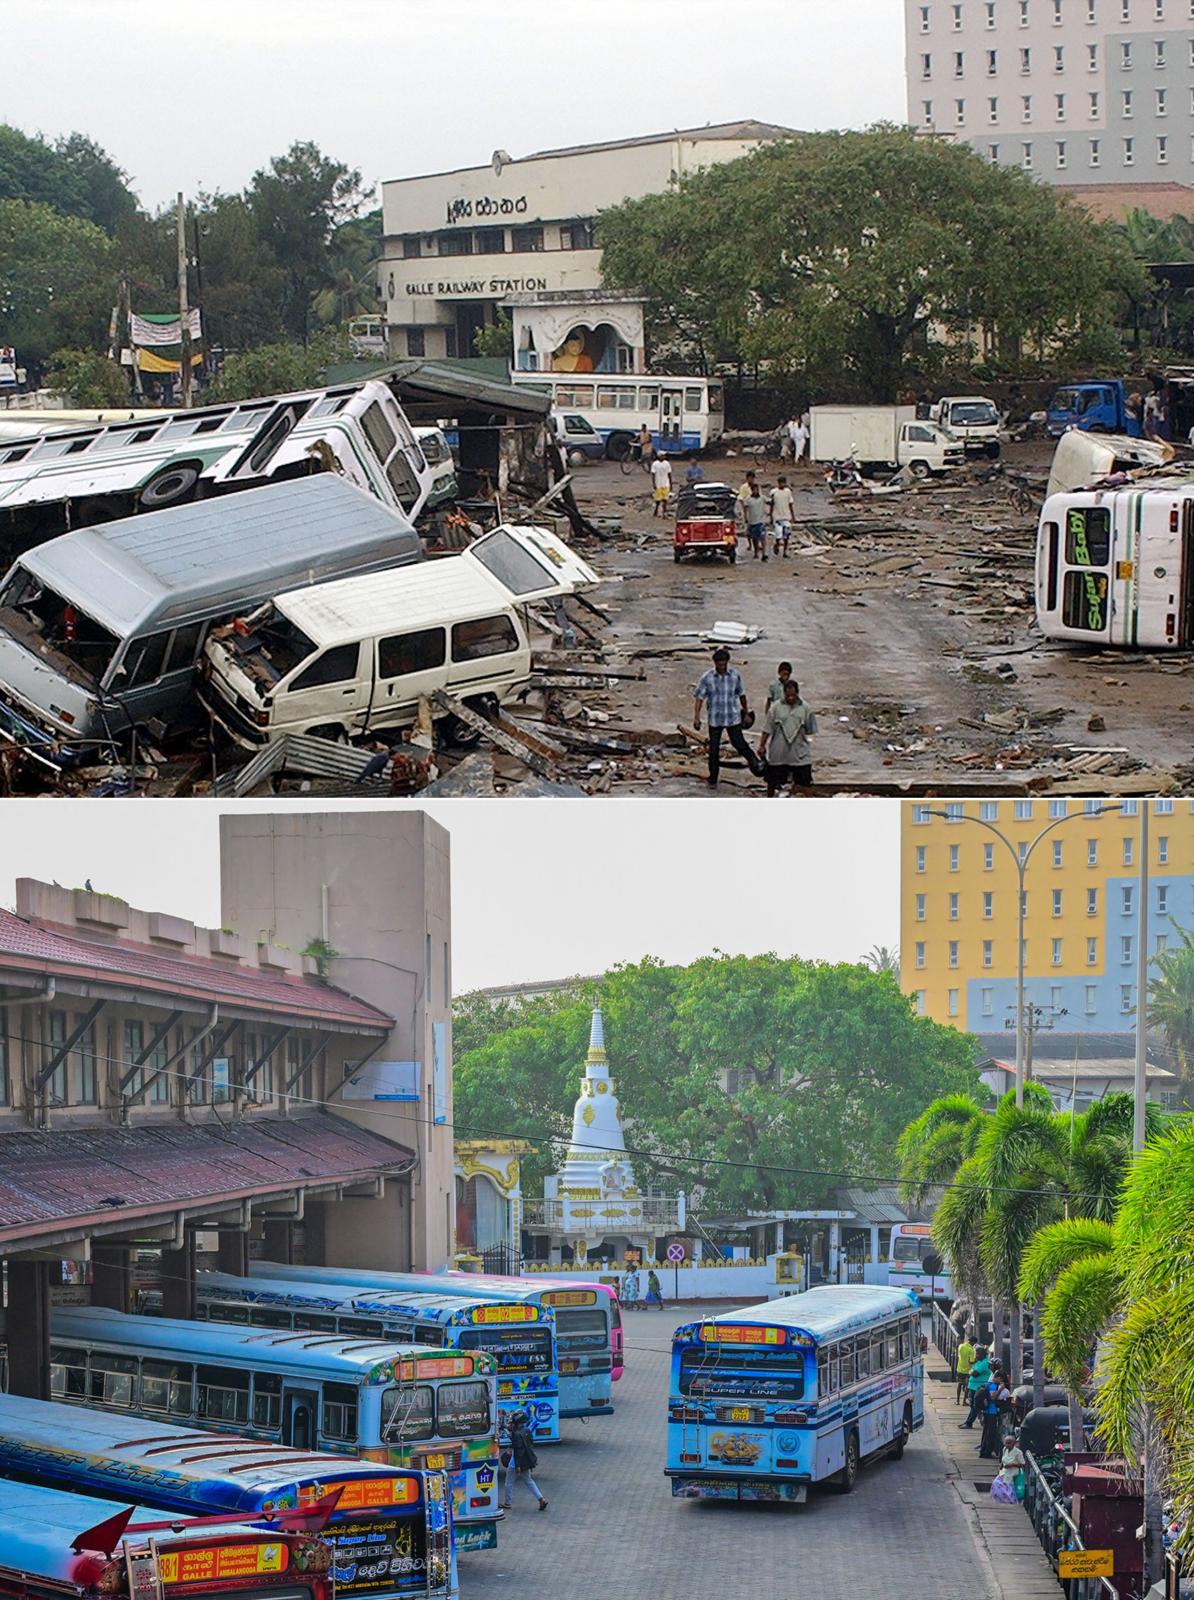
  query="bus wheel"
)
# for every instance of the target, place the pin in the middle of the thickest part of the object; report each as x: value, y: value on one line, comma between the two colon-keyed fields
x: 848, y: 1476
x: 900, y: 1442
x: 617, y: 446
x: 169, y: 487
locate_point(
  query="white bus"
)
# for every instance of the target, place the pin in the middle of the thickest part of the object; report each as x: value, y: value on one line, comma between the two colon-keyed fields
x: 908, y: 1262
x: 1116, y: 566
x: 682, y: 413
x: 53, y: 482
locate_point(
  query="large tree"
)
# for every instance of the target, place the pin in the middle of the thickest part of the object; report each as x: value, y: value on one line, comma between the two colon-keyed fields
x: 57, y: 280
x: 839, y: 253
x: 73, y: 175
x: 761, y: 1081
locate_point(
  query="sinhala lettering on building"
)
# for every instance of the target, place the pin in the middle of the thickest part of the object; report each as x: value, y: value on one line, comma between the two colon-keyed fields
x: 460, y: 210
x: 476, y: 286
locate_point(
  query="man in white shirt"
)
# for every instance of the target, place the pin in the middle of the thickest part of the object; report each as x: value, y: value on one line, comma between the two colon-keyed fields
x: 800, y: 442
x: 781, y: 513
x: 661, y: 477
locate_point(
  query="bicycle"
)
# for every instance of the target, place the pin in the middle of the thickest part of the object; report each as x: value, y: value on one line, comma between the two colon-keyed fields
x: 634, y: 461
x: 1023, y: 500
x: 770, y: 449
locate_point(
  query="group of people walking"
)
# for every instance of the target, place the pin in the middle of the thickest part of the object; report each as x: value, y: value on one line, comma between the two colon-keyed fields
x: 767, y: 511
x: 982, y: 1383
x: 631, y: 1290
x: 783, y: 758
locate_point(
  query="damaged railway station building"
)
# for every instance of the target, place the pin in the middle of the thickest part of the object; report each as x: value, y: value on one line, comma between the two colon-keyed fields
x: 174, y: 1096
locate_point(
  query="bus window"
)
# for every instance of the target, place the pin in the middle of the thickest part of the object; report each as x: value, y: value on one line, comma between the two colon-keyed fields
x: 1088, y: 536
x: 406, y: 1412
x: 463, y: 1410
x: 315, y: 1322
x: 893, y: 1348
x: 223, y: 1394
x: 1053, y: 545
x: 166, y: 1387
x: 270, y: 1317
x: 234, y: 1313
x: 615, y: 397
x: 692, y: 399
x: 904, y: 1248
x: 378, y: 432
x: 829, y: 1369
x: 846, y: 1362
x: 339, y: 1411
x: 862, y: 1357
x: 68, y: 1373
x: 716, y: 400
x: 113, y: 1379
x: 877, y: 1354
x: 373, y: 1328
x: 574, y: 394
x: 648, y: 399
x: 267, y: 1401
x: 1084, y: 601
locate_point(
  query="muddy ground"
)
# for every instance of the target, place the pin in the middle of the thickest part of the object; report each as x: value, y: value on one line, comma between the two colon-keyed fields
x: 909, y: 622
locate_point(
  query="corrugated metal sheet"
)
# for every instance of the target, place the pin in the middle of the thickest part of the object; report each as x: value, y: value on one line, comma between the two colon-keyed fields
x: 28, y: 946
x: 223, y: 553
x: 875, y: 1205
x: 56, y: 1177
x: 299, y: 753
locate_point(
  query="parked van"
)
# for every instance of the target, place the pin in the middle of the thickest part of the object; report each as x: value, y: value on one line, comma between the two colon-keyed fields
x: 353, y: 658
x: 100, y: 629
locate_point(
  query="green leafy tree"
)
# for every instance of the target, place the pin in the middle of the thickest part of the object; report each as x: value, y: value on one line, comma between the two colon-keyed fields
x: 276, y: 368
x: 298, y: 202
x: 496, y: 338
x: 1171, y: 1004
x: 350, y: 286
x: 87, y: 379
x: 837, y: 253
x: 74, y: 176
x: 760, y: 1081
x: 57, y: 280
x: 1068, y: 1268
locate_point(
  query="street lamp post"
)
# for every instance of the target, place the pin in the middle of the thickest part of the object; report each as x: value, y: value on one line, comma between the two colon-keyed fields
x: 1021, y: 865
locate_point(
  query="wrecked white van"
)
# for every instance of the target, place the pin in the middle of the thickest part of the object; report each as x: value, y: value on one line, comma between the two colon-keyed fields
x: 355, y: 657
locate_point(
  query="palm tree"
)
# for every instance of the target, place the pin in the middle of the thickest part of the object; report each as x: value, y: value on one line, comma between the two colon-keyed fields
x: 1171, y: 1002
x: 1069, y: 1267
x: 883, y: 958
x: 931, y: 1149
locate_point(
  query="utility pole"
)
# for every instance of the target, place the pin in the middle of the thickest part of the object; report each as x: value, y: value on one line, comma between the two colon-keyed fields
x: 184, y: 311
x: 1140, y: 1080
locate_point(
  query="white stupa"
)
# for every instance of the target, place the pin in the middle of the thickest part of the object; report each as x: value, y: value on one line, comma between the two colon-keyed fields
x: 595, y: 1188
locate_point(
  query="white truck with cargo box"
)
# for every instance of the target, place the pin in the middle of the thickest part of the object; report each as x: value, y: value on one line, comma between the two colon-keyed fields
x: 883, y: 436
x: 355, y: 658
x: 100, y: 629
x: 973, y: 419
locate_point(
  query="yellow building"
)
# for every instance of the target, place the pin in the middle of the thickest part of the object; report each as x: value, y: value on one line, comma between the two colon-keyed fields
x: 958, y: 915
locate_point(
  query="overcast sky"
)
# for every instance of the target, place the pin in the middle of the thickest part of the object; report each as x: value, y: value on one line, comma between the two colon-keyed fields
x: 541, y: 889
x: 190, y: 96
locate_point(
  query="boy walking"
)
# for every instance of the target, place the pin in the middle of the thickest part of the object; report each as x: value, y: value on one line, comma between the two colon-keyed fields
x: 523, y: 1461
x: 782, y: 509
x: 754, y: 512
x: 661, y: 477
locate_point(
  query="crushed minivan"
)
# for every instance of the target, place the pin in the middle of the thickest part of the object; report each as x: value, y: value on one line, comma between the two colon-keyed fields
x: 101, y: 629
x: 356, y: 657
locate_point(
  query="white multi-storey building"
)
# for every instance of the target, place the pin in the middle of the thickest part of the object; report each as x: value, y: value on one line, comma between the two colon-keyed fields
x: 1076, y: 92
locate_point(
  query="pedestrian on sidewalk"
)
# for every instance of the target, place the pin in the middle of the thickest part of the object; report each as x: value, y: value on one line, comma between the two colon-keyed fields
x: 754, y: 514
x: 645, y: 445
x: 965, y: 1361
x: 999, y: 1399
x: 630, y: 1289
x: 661, y: 477
x: 776, y: 690
x: 784, y: 747
x: 781, y: 508
x: 722, y: 691
x: 654, y: 1290
x: 523, y: 1461
x: 976, y: 1385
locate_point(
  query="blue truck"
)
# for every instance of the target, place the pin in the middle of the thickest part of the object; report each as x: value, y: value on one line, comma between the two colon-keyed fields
x: 1098, y: 406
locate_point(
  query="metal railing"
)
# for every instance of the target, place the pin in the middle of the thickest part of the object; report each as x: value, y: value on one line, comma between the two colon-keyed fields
x: 1057, y: 1531
x: 658, y: 1215
x: 945, y: 1337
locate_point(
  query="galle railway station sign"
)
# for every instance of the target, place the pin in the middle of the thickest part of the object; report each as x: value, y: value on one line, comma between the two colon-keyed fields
x: 473, y: 286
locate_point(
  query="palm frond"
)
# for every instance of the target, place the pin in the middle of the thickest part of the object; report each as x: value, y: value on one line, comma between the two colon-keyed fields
x: 957, y: 1222
x: 1014, y: 1216
x: 1056, y: 1247
x: 1077, y: 1310
x: 1016, y: 1135
x: 1132, y: 1358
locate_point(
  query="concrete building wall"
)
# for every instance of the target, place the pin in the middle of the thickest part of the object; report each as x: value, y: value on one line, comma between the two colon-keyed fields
x: 1040, y: 84
x: 376, y: 885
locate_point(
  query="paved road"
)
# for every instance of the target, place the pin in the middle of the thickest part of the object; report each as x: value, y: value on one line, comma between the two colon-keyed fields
x: 613, y: 1532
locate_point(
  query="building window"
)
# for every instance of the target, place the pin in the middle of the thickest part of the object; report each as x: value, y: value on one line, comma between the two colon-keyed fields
x: 56, y: 1085
x: 1162, y: 149
x: 953, y: 952
x: 416, y: 343
x: 1026, y: 108
x: 1092, y: 952
x: 1163, y: 899
x: 1092, y: 852
x: 159, y: 1083
x: 1158, y: 10
x: 953, y: 857
x: 1092, y: 58
x: 920, y: 908
x: 1129, y: 152
x: 87, y: 1073
x: 988, y: 953
x: 957, y: 19
x: 1092, y: 999
x: 523, y: 240
x: 921, y: 855
x: 1057, y: 809
x: 953, y: 1002
x: 1025, y: 62
x: 1095, y: 157
x: 921, y: 814
x: 988, y: 1002
x: 1129, y: 850
x: 454, y: 244
x: 1191, y: 61
x: 1057, y: 852
x: 1127, y: 103
x: 1026, y: 160
x: 988, y: 810
x: 134, y: 1043
x: 920, y: 953
x: 1023, y: 13
x: 925, y: 19
x: 1057, y: 902
x: 1023, y: 811
x: 1060, y: 107
x: 1057, y: 13
x: 1163, y: 849
x: 1092, y: 902
x: 1125, y: 949
x: 1090, y: 10
x: 1058, y: 58
x: 1163, y: 808
x: 412, y: 247
x: 955, y: 811
x: 1125, y: 10
x: 1125, y: 997
x: 1022, y: 851
x: 988, y: 905
x: 1125, y: 898
x: 1162, y: 943
x: 1159, y: 53
x: 953, y: 908
x: 577, y: 235
x: 992, y: 63
x: 988, y: 857
x: 1092, y: 808
x: 960, y: 113
x: 920, y: 1001
x: 990, y: 16
x: 1094, y: 103
x: 926, y: 66
x: 959, y: 63
x: 1057, y: 952
x: 1125, y: 56
x: 1162, y: 102
x: 1129, y: 808
x: 3, y: 1056
x: 993, y: 111
x: 993, y: 154
x: 928, y: 113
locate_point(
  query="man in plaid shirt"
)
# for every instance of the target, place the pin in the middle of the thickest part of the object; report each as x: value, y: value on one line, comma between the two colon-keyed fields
x: 721, y: 690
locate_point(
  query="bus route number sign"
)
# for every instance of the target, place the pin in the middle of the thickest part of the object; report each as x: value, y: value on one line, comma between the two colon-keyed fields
x: 571, y: 1297
x: 504, y: 1313
x: 1085, y: 1564
x: 733, y: 1333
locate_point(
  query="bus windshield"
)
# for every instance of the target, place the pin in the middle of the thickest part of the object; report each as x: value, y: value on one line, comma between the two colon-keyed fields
x: 514, y: 1349
x: 742, y: 1374
x: 581, y: 1330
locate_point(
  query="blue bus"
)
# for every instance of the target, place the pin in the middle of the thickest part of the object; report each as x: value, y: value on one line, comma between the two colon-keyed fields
x: 361, y: 1396
x: 765, y: 1400
x: 582, y: 1316
x: 60, y: 1546
x: 385, y: 1524
x: 520, y: 1338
